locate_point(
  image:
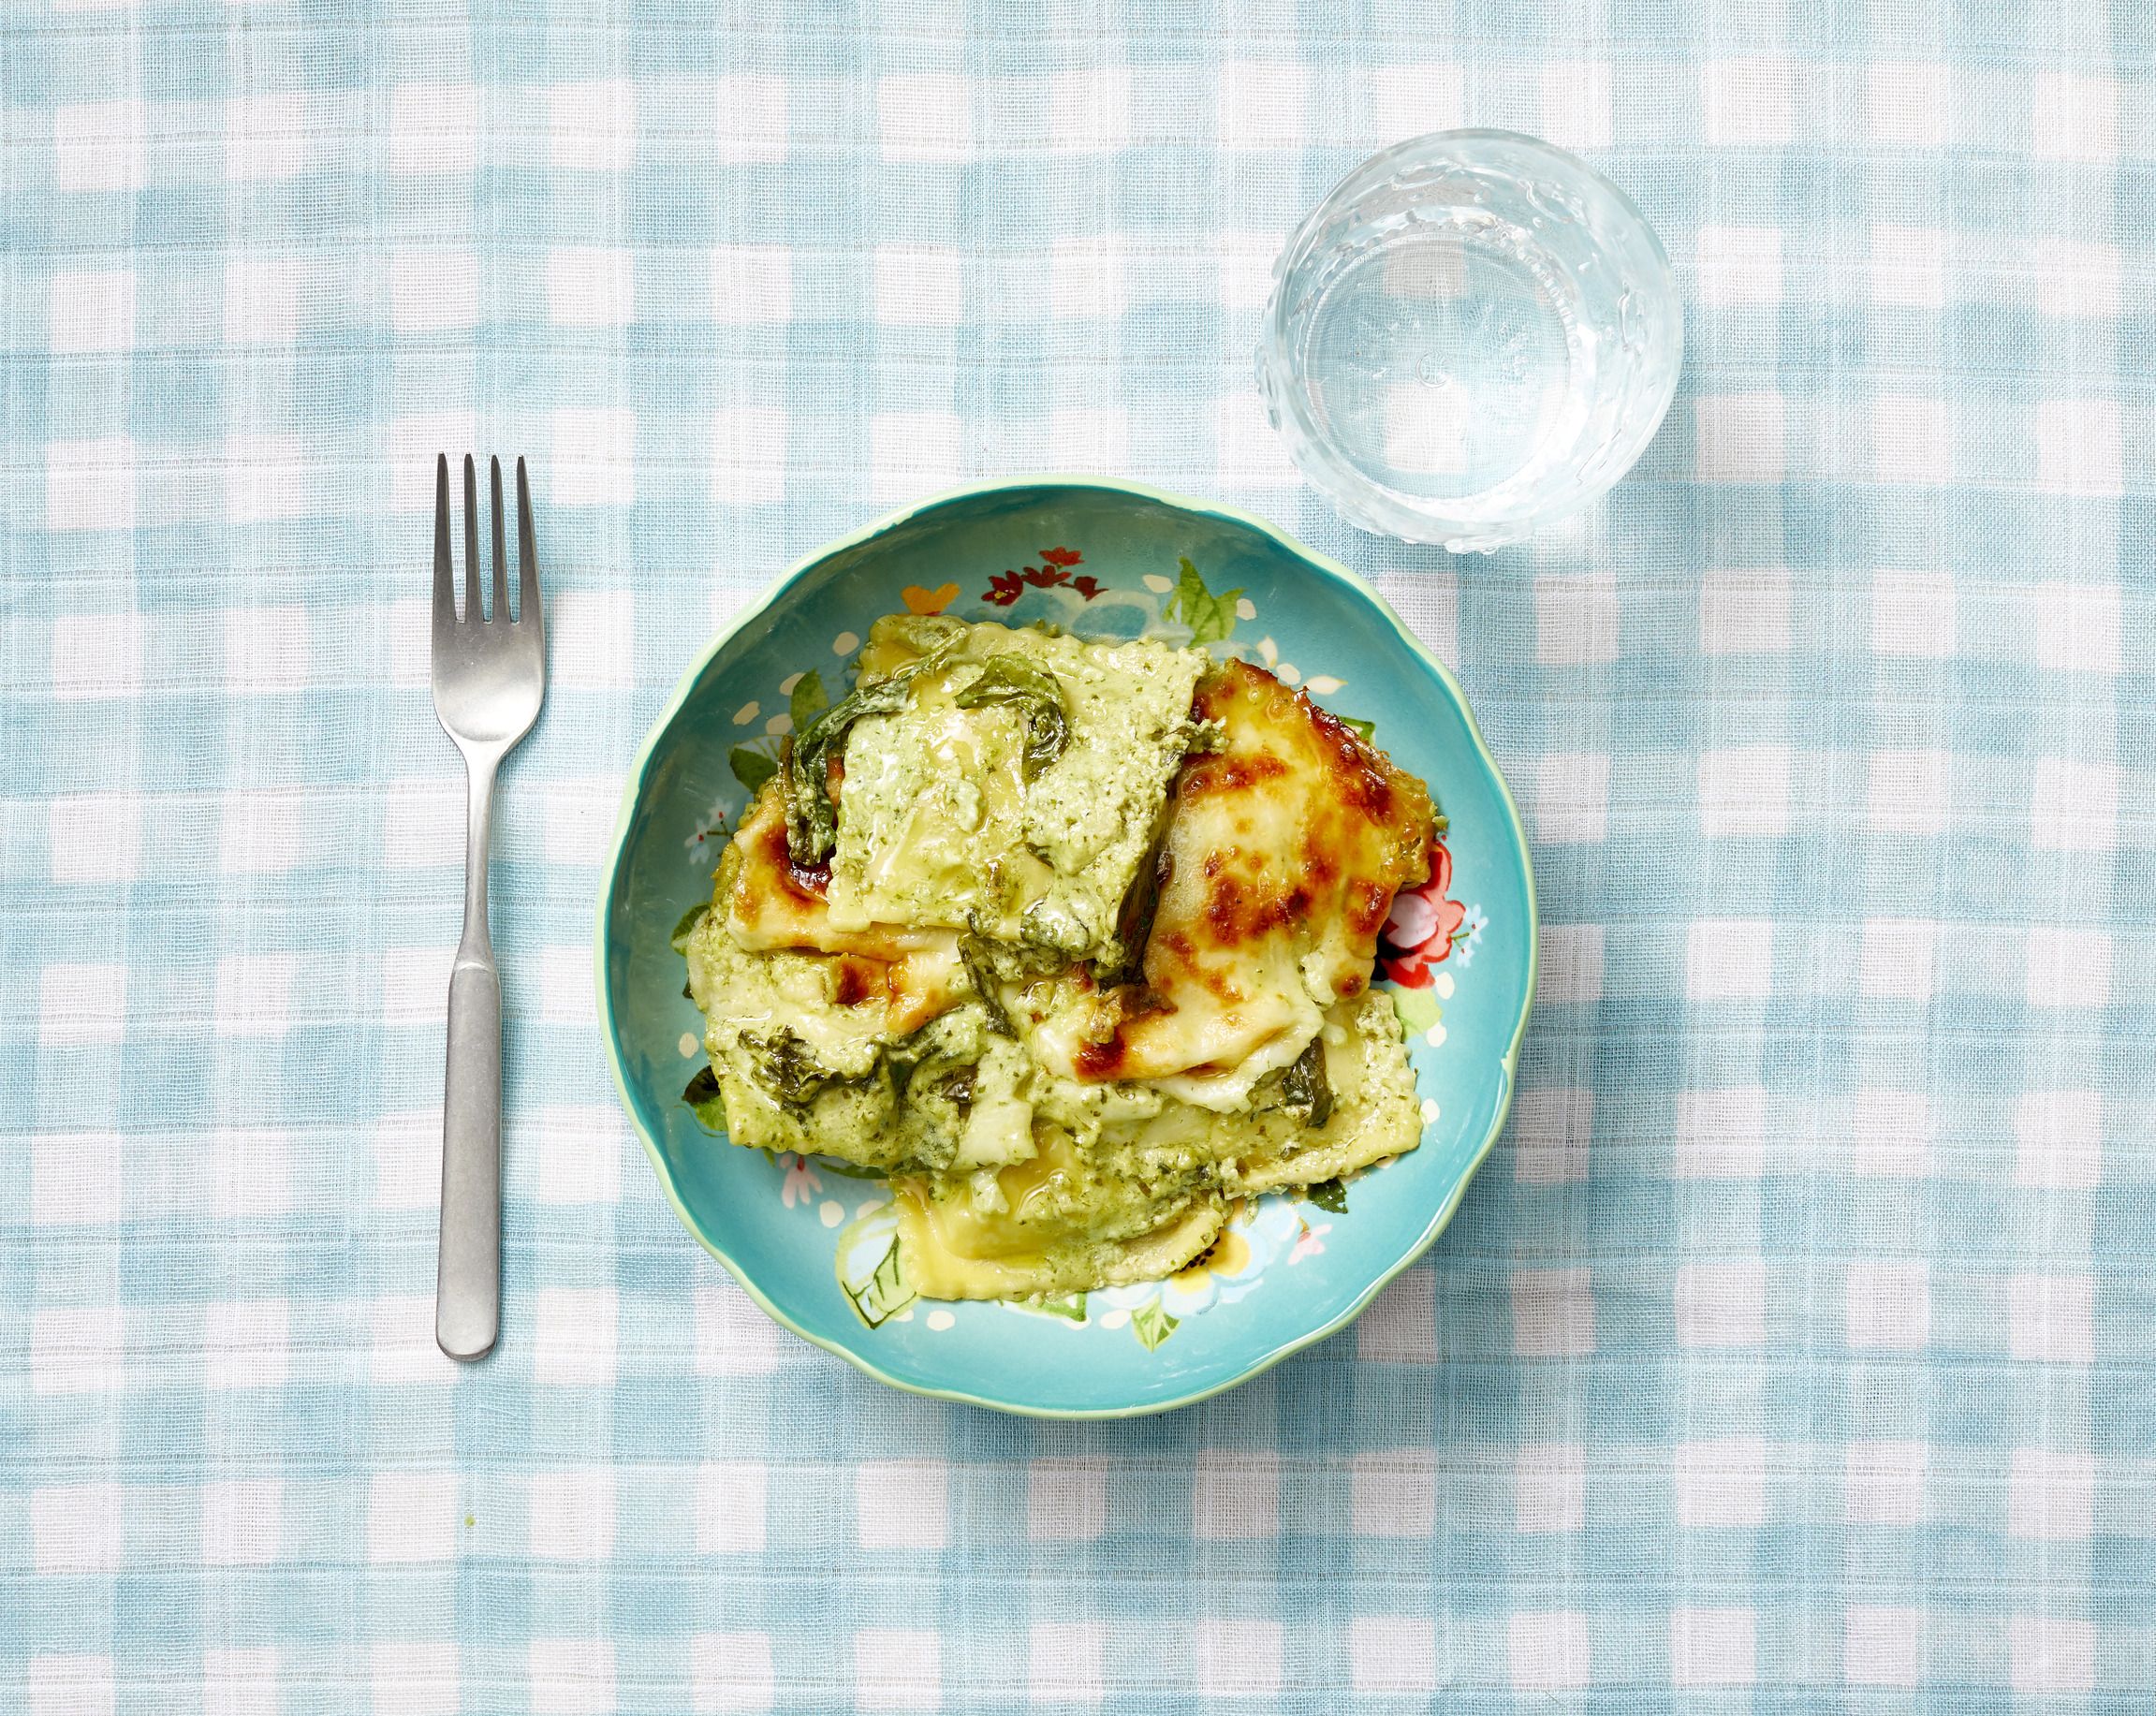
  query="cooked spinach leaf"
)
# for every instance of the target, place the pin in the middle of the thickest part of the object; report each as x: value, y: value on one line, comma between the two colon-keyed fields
x: 849, y: 1170
x: 1034, y: 694
x: 812, y: 819
x: 974, y: 957
x: 781, y: 1064
x: 959, y: 1087
x: 1134, y: 921
x: 1307, y: 1090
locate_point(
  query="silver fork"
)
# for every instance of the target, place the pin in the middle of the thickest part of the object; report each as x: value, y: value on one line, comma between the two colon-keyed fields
x: 489, y: 678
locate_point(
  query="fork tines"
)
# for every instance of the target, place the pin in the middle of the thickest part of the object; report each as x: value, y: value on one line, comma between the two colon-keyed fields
x: 497, y: 611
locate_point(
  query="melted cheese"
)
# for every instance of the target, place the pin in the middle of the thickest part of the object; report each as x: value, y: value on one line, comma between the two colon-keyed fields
x: 1104, y: 1142
x: 1375, y: 1114
x: 1050, y: 1224
x: 940, y: 822
x: 1283, y: 850
x: 762, y: 994
x: 770, y: 906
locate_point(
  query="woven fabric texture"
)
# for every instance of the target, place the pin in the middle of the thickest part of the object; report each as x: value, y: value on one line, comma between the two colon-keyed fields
x: 1796, y: 1344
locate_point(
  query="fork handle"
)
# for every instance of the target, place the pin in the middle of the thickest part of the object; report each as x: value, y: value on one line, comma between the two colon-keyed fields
x: 468, y: 1279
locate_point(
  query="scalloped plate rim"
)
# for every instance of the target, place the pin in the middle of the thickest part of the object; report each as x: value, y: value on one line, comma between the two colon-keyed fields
x: 639, y: 766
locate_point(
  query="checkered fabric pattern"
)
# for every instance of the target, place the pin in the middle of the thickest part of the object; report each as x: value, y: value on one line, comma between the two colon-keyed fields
x: 1796, y: 1344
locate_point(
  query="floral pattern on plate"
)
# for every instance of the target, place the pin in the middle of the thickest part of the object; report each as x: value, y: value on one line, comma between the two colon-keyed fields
x: 1426, y: 927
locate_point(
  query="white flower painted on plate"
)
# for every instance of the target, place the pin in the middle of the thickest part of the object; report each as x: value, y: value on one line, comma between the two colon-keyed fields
x: 831, y: 1212
x: 799, y: 1179
x: 687, y: 1045
x: 1309, y: 1243
x: 1161, y: 586
x: 779, y: 726
x: 845, y: 643
x: 1466, y: 938
x: 786, y: 685
x: 1323, y: 685
x: 1412, y: 920
x: 1268, y: 652
x: 1244, y: 609
x: 699, y: 843
x: 747, y: 712
x: 941, y: 1320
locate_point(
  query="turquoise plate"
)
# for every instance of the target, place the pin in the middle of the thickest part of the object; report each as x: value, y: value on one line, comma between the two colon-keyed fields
x: 813, y: 1246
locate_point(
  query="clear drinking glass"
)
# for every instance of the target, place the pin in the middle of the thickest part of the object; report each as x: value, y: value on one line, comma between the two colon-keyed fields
x: 1474, y: 334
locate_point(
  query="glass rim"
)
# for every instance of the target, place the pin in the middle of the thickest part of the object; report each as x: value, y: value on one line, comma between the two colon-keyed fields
x: 1361, y: 499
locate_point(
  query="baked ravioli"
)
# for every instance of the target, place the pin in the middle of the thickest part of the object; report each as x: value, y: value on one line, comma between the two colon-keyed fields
x: 1072, y: 940
x: 1014, y: 788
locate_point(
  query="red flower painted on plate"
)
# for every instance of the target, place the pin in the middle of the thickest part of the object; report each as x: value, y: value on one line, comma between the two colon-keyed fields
x: 1420, y: 931
x: 1006, y: 587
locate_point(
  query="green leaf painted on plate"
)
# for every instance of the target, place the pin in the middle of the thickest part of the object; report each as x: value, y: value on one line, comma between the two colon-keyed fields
x: 687, y: 926
x: 886, y: 1293
x: 1151, y: 1324
x: 808, y: 700
x: 705, y: 1102
x: 752, y: 769
x: 1327, y: 1194
x: 1364, y: 730
x: 1417, y: 1009
x: 1070, y: 1307
x: 1210, y: 617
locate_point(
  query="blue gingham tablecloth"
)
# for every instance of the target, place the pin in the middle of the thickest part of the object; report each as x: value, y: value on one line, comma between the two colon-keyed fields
x: 1796, y: 1344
